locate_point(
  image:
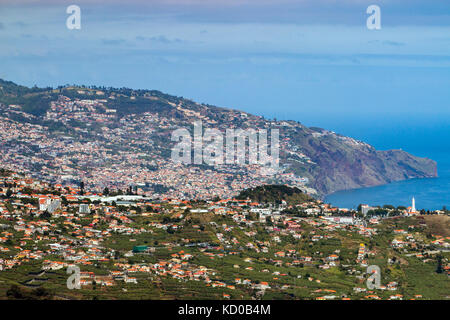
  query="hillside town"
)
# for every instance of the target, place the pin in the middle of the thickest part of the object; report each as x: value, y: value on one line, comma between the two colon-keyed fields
x: 132, y: 246
x: 93, y: 144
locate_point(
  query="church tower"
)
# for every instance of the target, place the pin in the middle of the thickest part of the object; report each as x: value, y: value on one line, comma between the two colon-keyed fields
x: 413, y: 206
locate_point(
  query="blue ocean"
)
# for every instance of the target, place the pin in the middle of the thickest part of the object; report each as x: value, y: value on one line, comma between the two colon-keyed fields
x: 423, y: 136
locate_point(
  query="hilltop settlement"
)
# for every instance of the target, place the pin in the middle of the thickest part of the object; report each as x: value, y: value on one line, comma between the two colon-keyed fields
x: 111, y: 138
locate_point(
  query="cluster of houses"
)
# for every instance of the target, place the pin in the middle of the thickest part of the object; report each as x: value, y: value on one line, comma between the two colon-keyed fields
x: 60, y: 226
x: 122, y: 143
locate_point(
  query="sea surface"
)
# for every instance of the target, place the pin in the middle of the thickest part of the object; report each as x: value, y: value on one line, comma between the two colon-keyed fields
x: 419, y: 135
x: 430, y: 194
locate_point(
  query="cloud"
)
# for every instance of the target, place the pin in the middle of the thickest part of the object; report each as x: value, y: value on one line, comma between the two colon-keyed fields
x: 388, y: 43
x: 21, y: 24
x: 113, y: 41
x: 393, y: 43
x: 200, y: 2
x: 299, y: 12
x: 160, y: 39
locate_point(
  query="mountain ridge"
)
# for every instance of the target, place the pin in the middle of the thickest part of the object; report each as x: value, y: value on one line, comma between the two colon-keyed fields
x: 325, y: 160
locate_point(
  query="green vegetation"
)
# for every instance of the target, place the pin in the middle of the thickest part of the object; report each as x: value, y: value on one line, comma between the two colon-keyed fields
x: 275, y: 194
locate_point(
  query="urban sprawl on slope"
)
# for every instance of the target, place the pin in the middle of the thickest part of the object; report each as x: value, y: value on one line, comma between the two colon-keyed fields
x: 111, y: 151
x: 134, y: 247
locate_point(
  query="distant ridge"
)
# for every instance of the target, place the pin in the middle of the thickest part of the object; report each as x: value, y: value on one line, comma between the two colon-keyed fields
x: 327, y: 161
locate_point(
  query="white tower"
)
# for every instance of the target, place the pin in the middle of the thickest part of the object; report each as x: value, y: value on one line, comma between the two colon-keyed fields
x: 413, y: 206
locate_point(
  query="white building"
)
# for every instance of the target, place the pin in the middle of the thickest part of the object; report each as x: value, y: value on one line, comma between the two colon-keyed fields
x: 84, y: 208
x: 343, y: 220
x: 365, y: 208
x: 261, y: 211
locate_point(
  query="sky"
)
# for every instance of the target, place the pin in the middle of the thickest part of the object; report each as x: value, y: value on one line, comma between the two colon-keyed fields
x: 313, y: 61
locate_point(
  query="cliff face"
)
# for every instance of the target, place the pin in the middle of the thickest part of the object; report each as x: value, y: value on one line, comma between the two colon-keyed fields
x: 344, y: 163
x: 142, y: 123
x: 342, y: 172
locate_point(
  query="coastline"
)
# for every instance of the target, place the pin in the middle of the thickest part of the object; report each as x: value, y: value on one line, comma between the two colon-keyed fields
x: 430, y: 193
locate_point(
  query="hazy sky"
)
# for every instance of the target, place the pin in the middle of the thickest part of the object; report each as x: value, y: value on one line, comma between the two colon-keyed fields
x: 314, y: 61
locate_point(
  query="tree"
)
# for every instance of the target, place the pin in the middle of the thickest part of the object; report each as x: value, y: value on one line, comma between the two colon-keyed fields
x: 82, y: 188
x: 14, y: 292
x: 9, y: 207
x: 41, y: 292
x: 106, y: 191
x: 8, y: 193
x: 439, y: 266
x: 46, y: 215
